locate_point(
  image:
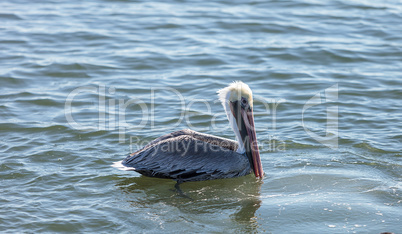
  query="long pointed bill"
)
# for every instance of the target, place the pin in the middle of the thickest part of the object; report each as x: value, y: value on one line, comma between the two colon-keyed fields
x: 247, y: 116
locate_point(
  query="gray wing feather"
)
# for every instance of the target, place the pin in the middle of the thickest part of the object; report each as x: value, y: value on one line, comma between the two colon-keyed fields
x: 183, y: 157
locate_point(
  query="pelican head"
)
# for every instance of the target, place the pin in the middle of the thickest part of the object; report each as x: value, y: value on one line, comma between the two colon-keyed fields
x: 237, y: 100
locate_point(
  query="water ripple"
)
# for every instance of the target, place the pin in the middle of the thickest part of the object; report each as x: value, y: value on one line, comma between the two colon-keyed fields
x: 56, y: 176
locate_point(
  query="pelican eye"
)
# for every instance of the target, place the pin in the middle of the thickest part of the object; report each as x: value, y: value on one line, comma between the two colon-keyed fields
x: 244, y: 102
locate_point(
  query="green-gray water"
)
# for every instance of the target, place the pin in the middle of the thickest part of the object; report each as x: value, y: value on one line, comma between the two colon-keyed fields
x: 85, y: 83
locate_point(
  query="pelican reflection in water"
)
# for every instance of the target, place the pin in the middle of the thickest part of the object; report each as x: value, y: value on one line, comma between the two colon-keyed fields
x: 234, y: 210
x: 187, y: 155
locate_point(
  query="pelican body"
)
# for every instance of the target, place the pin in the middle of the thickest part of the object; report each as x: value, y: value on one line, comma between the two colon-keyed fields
x: 187, y: 155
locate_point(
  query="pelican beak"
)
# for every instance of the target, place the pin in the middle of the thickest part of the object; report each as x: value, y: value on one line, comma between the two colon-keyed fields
x: 245, y: 122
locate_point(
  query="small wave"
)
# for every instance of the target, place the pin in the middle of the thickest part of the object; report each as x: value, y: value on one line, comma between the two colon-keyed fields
x: 371, y: 148
x: 10, y: 81
x: 6, y: 16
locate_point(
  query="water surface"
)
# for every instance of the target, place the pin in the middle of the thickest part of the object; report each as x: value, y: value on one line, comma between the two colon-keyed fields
x: 85, y: 83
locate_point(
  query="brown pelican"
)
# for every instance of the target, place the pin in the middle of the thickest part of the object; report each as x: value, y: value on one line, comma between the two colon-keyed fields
x: 187, y: 155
